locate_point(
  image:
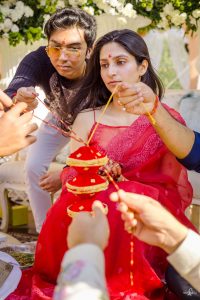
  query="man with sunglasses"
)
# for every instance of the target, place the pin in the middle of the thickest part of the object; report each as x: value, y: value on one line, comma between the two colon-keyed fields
x: 58, y: 70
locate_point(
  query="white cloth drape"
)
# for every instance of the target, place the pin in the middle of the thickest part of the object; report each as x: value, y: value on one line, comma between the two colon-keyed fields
x: 176, y: 43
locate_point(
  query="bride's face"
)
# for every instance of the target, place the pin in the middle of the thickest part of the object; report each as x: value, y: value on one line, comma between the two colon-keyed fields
x: 118, y: 65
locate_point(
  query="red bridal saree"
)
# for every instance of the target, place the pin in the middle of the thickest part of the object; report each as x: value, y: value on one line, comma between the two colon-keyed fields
x: 151, y: 170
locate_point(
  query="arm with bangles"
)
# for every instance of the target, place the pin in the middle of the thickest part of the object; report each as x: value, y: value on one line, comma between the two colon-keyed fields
x: 180, y: 140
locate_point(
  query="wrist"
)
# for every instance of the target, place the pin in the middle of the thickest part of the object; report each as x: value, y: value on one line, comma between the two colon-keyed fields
x: 175, y: 237
x: 155, y: 106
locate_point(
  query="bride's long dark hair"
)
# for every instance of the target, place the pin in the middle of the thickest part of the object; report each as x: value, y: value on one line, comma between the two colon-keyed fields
x: 93, y: 88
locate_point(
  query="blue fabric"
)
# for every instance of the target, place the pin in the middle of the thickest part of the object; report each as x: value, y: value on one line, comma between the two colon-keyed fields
x: 192, y: 160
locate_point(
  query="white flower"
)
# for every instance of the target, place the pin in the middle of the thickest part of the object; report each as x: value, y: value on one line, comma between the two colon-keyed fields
x: 5, y: 10
x: 196, y: 13
x: 102, y: 4
x: 178, y: 19
x: 193, y: 21
x: 163, y: 24
x: 15, y: 28
x: 77, y: 2
x: 168, y: 9
x: 82, y: 2
x: 16, y: 15
x: 89, y: 10
x: 20, y: 5
x: 5, y: 35
x: 7, y: 25
x: 110, y: 11
x: 46, y: 17
x: 28, y: 12
x: 128, y: 11
x: 113, y: 3
x: 60, y: 4
x: 120, y: 7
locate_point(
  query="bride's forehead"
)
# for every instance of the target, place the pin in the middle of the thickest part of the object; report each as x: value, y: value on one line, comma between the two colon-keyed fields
x: 112, y: 49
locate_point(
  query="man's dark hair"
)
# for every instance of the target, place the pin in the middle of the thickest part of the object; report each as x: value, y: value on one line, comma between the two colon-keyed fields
x: 70, y: 17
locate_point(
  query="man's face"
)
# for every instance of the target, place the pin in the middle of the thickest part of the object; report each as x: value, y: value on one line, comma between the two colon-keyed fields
x: 67, y: 51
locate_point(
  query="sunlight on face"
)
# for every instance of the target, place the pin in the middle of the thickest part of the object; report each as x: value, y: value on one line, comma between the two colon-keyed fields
x: 118, y: 65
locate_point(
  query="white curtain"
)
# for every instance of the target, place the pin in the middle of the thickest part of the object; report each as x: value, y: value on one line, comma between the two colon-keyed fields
x: 154, y: 40
x: 179, y: 55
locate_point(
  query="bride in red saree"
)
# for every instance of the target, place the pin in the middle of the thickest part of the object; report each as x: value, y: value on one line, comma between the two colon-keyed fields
x: 146, y: 163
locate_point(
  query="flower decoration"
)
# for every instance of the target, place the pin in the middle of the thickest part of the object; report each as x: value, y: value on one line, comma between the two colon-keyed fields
x: 24, y: 20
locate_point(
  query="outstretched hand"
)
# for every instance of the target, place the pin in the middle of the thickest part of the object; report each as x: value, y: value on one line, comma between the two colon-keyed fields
x: 114, y: 169
x: 89, y: 228
x: 27, y: 95
x: 51, y: 182
x: 149, y: 221
x: 15, y: 127
x: 137, y: 98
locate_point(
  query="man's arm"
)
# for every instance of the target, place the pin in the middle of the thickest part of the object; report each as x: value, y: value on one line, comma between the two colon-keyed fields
x: 28, y: 73
x: 82, y: 274
x: 34, y: 70
x: 192, y: 160
x: 183, y: 142
x: 186, y: 259
x: 178, y: 138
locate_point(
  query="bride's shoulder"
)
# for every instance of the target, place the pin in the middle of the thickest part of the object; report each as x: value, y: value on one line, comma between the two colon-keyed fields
x: 85, y: 117
x: 85, y: 114
x: 89, y: 113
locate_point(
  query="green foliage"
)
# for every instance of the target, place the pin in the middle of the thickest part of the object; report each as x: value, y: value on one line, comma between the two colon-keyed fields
x: 24, y: 20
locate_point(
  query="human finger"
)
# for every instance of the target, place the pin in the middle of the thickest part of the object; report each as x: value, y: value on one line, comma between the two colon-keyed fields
x: 28, y: 93
x: 5, y: 101
x: 134, y: 201
x: 98, y: 208
x: 46, y: 175
x: 30, y: 139
x: 25, y: 118
x: 114, y: 197
x: 43, y: 182
x: 16, y: 110
x: 31, y: 128
x: 131, y: 100
x: 122, y: 207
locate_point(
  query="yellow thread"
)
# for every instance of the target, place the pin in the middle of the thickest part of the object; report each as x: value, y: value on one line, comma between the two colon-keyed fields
x: 101, y: 115
x: 149, y: 115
